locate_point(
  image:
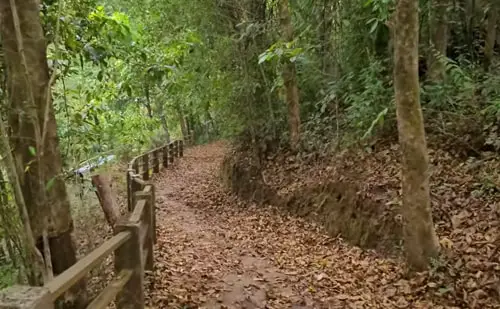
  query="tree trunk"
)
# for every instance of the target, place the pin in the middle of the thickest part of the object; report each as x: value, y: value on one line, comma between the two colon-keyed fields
x: 438, y: 39
x: 325, y: 38
x: 164, y: 124
x: 491, y: 33
x: 106, y: 199
x: 420, y: 238
x: 290, y: 78
x: 182, y: 121
x: 148, y: 101
x: 33, y: 135
x: 470, y: 13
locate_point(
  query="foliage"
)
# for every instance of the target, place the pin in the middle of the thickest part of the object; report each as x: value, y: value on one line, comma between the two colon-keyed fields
x: 129, y: 75
x: 129, y: 72
x: 7, y: 275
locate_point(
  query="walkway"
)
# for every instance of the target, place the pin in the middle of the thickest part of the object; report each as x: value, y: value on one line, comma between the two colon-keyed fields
x: 215, y: 251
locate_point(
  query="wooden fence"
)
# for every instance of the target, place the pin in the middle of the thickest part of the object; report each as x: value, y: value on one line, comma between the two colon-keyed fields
x: 132, y: 245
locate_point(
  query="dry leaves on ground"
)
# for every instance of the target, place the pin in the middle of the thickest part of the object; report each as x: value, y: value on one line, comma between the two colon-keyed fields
x: 216, y: 251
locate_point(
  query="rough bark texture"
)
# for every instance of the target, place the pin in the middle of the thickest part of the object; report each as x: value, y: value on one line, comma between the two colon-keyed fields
x: 106, y: 198
x: 26, y: 118
x: 290, y: 78
x: 420, y: 238
x: 40, y: 173
x: 491, y: 33
x: 438, y: 39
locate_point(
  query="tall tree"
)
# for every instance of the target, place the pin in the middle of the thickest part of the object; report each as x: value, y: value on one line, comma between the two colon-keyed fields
x: 469, y: 14
x: 491, y: 34
x: 33, y: 132
x: 290, y: 77
x: 325, y: 35
x: 420, y: 238
x: 438, y: 38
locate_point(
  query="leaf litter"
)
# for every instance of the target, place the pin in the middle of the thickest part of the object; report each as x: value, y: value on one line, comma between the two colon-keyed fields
x: 217, y: 251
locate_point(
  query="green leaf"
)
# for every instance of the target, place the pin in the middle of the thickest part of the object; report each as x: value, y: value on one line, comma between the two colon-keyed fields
x: 32, y: 150
x: 263, y: 57
x: 374, y: 26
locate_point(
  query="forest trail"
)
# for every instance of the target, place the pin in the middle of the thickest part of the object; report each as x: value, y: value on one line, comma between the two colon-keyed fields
x: 215, y: 251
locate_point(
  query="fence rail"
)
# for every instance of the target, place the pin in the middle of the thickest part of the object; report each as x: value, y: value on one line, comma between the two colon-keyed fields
x: 132, y: 245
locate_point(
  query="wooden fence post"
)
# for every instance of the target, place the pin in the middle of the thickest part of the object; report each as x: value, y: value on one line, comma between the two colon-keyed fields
x: 129, y: 189
x: 26, y: 297
x: 145, y: 166
x: 153, y: 212
x: 171, y: 152
x: 129, y: 257
x: 165, y: 155
x: 148, y: 218
x: 156, y: 161
x: 135, y: 166
x: 181, y: 149
x: 131, y: 184
x: 136, y: 187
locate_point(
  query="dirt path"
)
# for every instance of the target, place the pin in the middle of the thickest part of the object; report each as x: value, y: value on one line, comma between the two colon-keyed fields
x: 215, y: 251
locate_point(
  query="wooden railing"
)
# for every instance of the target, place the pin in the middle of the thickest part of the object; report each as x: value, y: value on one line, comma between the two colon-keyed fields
x: 132, y: 245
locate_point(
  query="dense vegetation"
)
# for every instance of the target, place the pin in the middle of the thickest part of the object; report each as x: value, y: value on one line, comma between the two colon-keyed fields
x: 309, y: 76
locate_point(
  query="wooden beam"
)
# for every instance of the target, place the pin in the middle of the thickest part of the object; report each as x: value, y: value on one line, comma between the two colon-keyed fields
x: 137, y: 178
x: 138, y: 210
x: 75, y: 273
x: 109, y: 293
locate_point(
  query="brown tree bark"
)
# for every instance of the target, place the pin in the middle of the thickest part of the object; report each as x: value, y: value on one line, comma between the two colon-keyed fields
x: 491, y: 33
x: 33, y: 132
x: 438, y: 39
x: 106, y: 199
x: 290, y: 78
x: 325, y: 34
x: 419, y: 236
